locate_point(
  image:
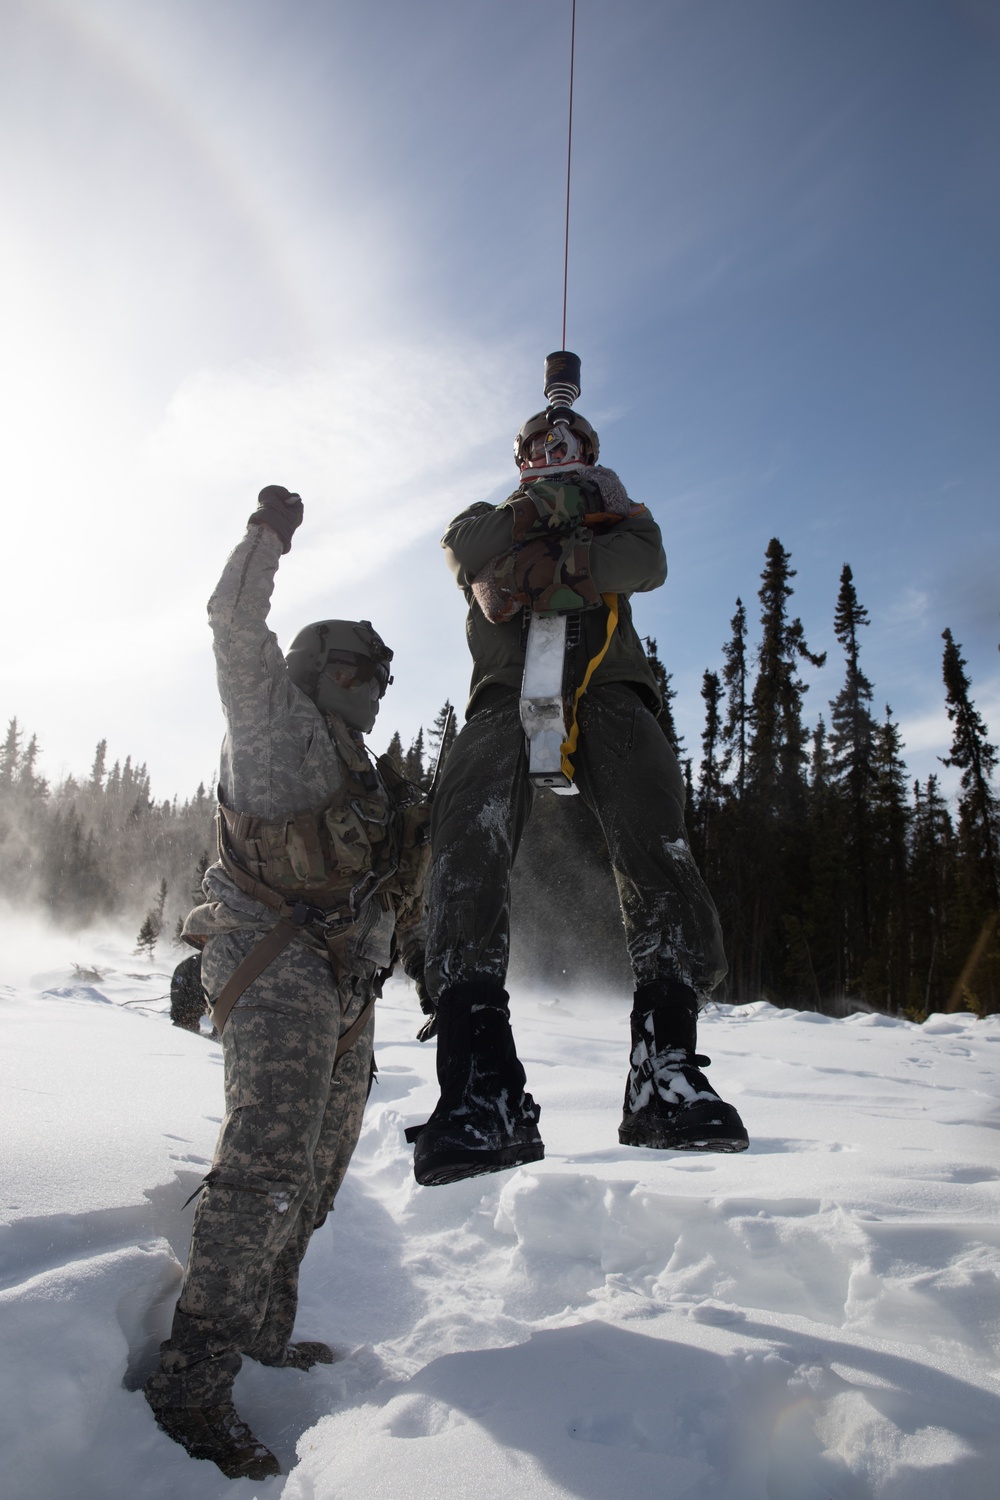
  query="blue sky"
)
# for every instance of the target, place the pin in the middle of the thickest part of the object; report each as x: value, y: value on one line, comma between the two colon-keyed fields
x: 253, y: 241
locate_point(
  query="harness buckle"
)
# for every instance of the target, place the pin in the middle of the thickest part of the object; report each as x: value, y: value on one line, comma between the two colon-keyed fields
x: 302, y: 913
x: 369, y: 817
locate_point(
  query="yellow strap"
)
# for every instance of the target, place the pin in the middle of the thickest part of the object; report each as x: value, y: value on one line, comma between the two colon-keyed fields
x: 568, y: 746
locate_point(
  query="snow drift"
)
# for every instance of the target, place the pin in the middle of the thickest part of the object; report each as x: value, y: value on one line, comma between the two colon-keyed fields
x: 819, y: 1317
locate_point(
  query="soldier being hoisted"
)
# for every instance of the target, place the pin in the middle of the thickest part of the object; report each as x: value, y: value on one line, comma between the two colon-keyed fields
x: 317, y: 889
x: 547, y: 575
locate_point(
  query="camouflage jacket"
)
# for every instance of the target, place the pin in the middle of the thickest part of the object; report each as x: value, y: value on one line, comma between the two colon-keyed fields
x: 556, y: 547
x: 279, y: 756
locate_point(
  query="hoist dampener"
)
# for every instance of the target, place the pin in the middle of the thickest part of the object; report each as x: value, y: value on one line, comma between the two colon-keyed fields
x: 544, y: 702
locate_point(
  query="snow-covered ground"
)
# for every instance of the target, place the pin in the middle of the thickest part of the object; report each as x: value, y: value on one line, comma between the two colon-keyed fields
x: 819, y: 1317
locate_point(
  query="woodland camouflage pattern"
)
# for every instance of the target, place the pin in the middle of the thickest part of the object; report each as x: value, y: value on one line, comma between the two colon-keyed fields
x: 548, y: 574
x: 293, y: 1113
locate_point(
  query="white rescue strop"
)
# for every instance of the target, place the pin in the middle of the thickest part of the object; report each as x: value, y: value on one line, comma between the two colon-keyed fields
x: 550, y: 721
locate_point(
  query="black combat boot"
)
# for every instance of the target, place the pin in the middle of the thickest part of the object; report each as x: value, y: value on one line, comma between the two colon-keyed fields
x: 669, y: 1103
x: 484, y: 1121
x: 219, y: 1434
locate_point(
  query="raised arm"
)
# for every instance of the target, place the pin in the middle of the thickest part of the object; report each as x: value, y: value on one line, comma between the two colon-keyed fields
x: 247, y: 655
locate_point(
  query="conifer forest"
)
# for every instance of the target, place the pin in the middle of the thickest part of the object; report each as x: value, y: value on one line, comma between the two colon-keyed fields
x: 840, y: 882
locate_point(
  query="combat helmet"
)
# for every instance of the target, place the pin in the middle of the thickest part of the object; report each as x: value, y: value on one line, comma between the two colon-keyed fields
x: 322, y: 655
x: 559, y: 423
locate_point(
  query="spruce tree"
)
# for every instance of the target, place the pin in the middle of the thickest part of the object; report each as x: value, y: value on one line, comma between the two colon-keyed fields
x: 707, y: 803
x: 10, y: 756
x: 97, y: 770
x: 976, y: 758
x: 396, y: 754
x: 776, y: 753
x: 735, y: 676
x: 776, y: 813
x: 932, y: 892
x: 149, y: 933
x: 29, y: 783
x: 978, y: 905
x: 197, y: 895
x: 413, y: 767
x: 852, y: 747
x: 152, y: 925
x: 885, y: 976
x: 730, y: 882
x: 668, y: 694
x: 825, y: 897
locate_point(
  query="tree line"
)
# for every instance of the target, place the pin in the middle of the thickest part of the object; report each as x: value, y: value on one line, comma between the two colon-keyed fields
x: 100, y: 848
x: 839, y: 882
x: 837, y: 879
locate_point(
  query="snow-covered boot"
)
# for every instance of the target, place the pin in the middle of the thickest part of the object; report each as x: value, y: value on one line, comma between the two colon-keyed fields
x: 485, y: 1121
x: 669, y: 1103
x: 219, y: 1434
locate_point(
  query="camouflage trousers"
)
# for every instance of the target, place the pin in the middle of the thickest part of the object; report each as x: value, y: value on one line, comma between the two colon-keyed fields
x: 293, y: 1118
x: 630, y: 778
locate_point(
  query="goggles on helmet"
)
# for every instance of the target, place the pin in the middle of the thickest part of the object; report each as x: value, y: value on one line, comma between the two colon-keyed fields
x: 362, y: 669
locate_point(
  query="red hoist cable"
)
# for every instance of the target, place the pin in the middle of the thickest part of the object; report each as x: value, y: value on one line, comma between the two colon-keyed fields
x: 569, y: 163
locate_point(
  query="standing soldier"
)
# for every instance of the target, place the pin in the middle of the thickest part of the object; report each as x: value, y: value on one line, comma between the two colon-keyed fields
x: 558, y: 560
x: 315, y: 891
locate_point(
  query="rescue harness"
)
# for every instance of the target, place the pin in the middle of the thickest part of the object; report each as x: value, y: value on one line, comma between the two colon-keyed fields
x: 316, y: 869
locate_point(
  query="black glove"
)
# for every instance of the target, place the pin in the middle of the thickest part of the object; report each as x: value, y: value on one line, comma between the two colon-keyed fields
x: 427, y: 1005
x: 428, y: 1029
x: 280, y: 509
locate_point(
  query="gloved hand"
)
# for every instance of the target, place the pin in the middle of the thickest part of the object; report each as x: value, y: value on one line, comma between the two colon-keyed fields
x: 428, y: 1029
x: 415, y: 971
x: 280, y: 509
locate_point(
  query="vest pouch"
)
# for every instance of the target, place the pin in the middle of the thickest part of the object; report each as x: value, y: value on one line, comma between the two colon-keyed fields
x: 304, y: 854
x: 284, y: 855
x: 374, y: 811
x: 350, y: 845
x: 414, y: 856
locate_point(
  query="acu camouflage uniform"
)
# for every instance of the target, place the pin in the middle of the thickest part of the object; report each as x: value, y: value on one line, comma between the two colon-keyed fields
x: 293, y: 1110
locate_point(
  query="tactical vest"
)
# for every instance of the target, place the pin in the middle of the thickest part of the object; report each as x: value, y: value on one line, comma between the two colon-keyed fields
x: 329, y: 859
